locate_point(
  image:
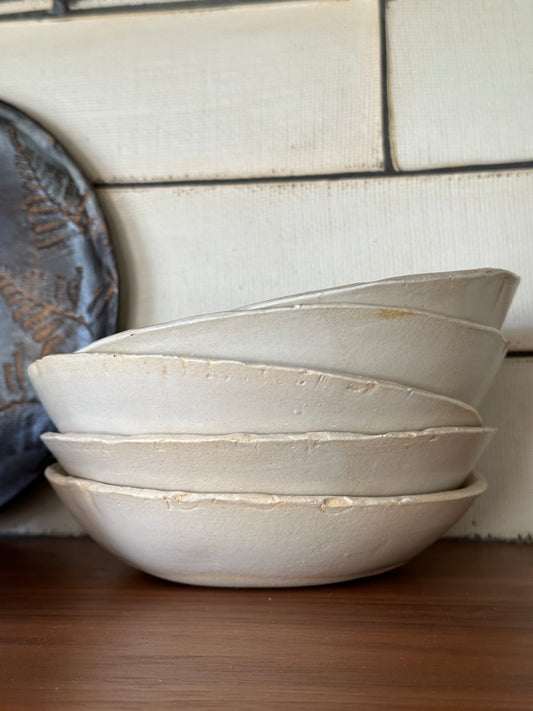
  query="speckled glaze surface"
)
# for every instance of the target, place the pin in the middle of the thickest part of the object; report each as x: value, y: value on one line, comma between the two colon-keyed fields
x: 260, y: 540
x: 479, y: 295
x: 436, y: 353
x: 131, y: 394
x: 318, y: 463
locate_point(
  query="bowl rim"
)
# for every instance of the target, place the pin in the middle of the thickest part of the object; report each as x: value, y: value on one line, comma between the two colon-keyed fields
x: 250, y: 438
x: 387, y: 311
x: 473, y: 485
x: 417, y: 278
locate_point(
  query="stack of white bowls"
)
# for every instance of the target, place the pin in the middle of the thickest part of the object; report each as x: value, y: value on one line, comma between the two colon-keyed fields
x: 312, y: 439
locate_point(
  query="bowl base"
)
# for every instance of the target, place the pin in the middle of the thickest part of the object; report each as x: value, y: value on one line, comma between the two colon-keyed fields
x: 242, y: 580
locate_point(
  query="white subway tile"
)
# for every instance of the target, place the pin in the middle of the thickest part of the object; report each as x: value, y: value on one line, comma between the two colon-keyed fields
x: 460, y: 82
x: 231, y: 92
x: 7, y: 7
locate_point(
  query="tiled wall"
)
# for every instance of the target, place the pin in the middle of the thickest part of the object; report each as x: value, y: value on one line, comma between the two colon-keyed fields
x: 247, y: 150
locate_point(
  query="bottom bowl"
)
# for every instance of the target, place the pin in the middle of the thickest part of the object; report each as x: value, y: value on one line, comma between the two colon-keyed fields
x: 260, y: 540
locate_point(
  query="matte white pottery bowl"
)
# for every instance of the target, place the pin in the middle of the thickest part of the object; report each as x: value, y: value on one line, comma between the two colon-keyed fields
x: 478, y: 295
x: 260, y: 540
x: 323, y: 463
x: 446, y: 356
x: 128, y: 394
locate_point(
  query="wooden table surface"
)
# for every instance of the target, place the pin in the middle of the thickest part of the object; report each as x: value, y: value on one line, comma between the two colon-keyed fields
x: 80, y: 630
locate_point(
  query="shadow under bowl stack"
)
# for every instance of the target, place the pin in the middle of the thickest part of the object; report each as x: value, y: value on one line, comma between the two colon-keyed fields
x: 306, y: 440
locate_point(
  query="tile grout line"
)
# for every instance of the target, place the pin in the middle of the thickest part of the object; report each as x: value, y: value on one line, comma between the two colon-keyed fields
x: 64, y: 8
x: 385, y: 121
x: 60, y: 8
x: 487, y: 169
x: 163, y: 5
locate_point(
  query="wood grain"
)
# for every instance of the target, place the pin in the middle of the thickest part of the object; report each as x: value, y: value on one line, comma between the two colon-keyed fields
x: 450, y: 631
x: 459, y: 80
x: 289, y: 88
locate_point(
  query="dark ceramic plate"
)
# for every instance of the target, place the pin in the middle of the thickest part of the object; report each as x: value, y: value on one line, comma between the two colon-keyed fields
x: 58, y: 281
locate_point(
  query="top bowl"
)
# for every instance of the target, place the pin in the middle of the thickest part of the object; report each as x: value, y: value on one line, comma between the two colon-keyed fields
x: 478, y: 295
x: 416, y: 348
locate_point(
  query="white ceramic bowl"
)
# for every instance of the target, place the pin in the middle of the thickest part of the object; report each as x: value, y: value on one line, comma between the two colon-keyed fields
x: 446, y: 356
x: 128, y: 394
x: 318, y: 463
x: 478, y: 295
x: 260, y: 540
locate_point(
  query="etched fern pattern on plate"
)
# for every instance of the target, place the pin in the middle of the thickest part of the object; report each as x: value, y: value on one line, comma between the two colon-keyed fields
x: 58, y: 278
